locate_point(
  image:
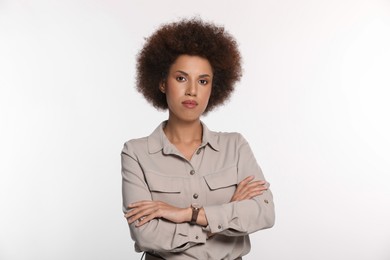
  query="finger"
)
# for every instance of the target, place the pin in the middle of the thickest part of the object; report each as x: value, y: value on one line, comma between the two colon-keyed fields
x: 256, y: 183
x: 250, y: 195
x: 153, y: 213
x: 137, y: 213
x: 263, y: 188
x: 133, y: 212
x: 141, y: 214
x: 247, y: 193
x: 247, y: 180
x: 136, y: 217
x: 244, y: 191
x: 244, y: 182
x: 145, y: 220
x: 133, y: 219
x: 243, y: 186
x: 139, y: 206
x: 256, y: 188
x: 240, y: 194
x: 261, y: 182
x: 248, y: 183
x: 139, y: 203
x: 254, y: 194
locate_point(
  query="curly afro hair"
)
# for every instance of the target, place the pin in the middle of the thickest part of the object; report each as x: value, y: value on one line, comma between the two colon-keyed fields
x: 190, y: 37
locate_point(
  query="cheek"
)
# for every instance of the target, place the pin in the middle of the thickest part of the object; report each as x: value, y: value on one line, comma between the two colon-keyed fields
x: 172, y: 93
x: 206, y: 95
x: 173, y: 89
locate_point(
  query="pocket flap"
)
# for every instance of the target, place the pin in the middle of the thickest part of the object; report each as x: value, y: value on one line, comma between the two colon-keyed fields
x: 161, y: 183
x: 221, y: 179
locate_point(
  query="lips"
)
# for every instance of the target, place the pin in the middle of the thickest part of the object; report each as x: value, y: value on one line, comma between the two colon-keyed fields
x: 190, y: 103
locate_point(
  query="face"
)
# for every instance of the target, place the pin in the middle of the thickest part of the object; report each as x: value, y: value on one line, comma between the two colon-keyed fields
x: 188, y: 87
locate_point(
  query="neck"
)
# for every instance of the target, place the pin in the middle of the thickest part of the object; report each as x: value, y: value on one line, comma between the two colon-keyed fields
x: 183, y: 132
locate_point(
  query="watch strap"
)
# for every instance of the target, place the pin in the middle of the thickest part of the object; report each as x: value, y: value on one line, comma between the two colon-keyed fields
x: 195, y: 213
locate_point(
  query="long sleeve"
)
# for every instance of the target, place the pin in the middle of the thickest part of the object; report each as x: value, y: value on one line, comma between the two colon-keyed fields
x: 157, y: 235
x: 154, y: 169
x: 243, y: 217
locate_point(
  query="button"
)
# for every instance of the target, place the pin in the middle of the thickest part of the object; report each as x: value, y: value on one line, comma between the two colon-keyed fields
x: 196, y: 237
x: 219, y: 226
x: 198, y: 152
x: 195, y: 196
x: 192, y: 172
x: 266, y: 201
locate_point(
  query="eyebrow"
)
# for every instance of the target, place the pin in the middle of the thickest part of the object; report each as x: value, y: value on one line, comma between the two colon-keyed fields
x: 200, y: 76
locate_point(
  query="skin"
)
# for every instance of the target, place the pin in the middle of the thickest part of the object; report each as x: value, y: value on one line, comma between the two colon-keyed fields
x: 189, y: 79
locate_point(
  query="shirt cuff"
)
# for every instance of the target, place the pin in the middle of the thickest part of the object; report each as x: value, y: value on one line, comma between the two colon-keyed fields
x: 217, y: 218
x: 193, y: 234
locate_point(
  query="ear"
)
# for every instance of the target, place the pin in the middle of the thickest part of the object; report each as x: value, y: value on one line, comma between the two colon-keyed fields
x: 162, y: 86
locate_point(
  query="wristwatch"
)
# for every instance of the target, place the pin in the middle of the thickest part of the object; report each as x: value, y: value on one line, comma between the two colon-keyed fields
x: 195, y: 212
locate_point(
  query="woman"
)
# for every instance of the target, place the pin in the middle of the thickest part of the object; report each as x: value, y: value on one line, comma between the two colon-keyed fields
x: 188, y: 192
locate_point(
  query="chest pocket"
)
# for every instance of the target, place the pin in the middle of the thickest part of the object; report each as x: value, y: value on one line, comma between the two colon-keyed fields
x: 165, y: 188
x: 222, y: 185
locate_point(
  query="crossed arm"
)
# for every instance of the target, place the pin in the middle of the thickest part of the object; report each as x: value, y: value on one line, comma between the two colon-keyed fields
x: 146, y: 210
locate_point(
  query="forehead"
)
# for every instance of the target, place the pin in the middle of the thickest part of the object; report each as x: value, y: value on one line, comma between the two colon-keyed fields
x: 192, y: 65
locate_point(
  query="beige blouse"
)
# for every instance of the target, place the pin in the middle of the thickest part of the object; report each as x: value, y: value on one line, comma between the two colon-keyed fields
x: 153, y: 169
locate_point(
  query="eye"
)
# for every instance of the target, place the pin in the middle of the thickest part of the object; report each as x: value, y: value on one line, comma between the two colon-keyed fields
x: 180, y: 78
x: 203, y: 81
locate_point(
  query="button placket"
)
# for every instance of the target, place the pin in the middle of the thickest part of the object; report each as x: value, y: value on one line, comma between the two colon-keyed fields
x: 194, y: 179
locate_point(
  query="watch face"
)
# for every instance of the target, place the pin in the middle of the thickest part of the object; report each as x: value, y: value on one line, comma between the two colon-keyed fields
x: 196, y: 205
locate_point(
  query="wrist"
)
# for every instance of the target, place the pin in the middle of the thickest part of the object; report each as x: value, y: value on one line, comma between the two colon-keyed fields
x: 187, y: 214
x: 195, y: 208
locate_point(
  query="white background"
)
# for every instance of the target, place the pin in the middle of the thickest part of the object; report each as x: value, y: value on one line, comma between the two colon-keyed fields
x: 313, y: 103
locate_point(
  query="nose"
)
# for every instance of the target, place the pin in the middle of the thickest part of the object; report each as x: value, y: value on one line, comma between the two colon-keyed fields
x: 192, y: 89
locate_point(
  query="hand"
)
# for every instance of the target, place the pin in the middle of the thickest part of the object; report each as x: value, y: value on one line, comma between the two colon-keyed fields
x: 247, y: 189
x: 146, y: 210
